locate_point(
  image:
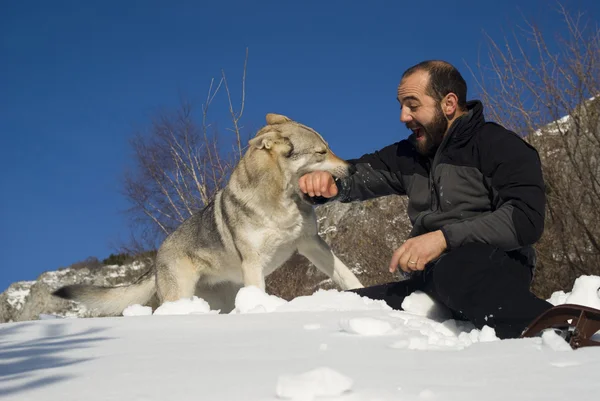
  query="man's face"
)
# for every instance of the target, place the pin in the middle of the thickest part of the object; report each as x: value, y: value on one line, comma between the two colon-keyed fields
x: 421, y: 113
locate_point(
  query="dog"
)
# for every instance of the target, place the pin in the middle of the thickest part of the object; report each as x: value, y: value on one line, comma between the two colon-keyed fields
x: 251, y: 227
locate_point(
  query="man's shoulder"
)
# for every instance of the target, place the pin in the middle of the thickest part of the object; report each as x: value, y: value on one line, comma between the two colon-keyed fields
x: 494, y: 130
x: 497, y: 137
x: 499, y: 145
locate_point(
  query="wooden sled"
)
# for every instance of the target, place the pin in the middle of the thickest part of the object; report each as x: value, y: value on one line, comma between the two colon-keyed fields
x: 578, y: 322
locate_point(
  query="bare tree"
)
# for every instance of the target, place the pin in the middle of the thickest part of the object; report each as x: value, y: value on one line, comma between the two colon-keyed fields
x: 180, y: 164
x: 546, y: 89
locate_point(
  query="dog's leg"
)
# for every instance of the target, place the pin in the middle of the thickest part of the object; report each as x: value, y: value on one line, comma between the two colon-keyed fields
x: 176, y: 280
x: 316, y: 250
x: 220, y: 296
x: 253, y: 273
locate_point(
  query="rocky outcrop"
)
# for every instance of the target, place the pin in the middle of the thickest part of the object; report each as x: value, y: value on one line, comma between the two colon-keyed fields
x: 363, y: 235
x: 31, y: 300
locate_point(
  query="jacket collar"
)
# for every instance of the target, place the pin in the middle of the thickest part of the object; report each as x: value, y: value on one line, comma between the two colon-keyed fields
x: 466, y: 125
x: 463, y: 127
x: 461, y: 130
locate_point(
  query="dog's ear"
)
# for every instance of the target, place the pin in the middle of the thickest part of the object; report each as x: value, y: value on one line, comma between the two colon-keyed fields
x: 273, y: 118
x: 271, y: 139
x: 266, y: 140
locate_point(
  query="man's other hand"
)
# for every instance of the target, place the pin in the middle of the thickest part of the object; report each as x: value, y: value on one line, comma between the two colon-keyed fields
x: 415, y: 253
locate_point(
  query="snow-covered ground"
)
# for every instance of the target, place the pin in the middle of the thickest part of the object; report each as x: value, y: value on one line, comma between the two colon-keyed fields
x: 328, y: 346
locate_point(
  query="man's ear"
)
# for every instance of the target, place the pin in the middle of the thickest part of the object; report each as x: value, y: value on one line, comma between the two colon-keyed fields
x: 273, y: 118
x: 450, y: 104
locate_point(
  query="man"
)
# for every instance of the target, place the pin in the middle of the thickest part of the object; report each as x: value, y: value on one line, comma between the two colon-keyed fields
x: 476, y: 202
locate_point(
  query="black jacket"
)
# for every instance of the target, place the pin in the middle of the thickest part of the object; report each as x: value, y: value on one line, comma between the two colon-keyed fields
x: 484, y: 184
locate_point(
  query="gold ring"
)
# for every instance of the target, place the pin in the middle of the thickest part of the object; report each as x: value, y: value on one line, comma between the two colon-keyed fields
x: 410, y: 261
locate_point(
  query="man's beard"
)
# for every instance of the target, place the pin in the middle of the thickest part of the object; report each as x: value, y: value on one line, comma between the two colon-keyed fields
x: 433, y: 134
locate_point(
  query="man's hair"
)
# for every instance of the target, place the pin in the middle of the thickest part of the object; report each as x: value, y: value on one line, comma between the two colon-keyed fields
x: 443, y: 79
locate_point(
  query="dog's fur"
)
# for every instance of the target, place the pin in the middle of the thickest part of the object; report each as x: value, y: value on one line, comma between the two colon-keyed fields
x: 253, y: 226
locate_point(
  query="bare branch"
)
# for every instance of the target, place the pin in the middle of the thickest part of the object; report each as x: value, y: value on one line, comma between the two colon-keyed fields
x: 180, y: 165
x: 547, y: 89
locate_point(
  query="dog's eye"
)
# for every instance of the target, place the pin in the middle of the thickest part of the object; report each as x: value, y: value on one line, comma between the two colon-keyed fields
x: 322, y: 152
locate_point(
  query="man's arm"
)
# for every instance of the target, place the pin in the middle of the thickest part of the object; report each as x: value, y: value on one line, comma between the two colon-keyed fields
x: 513, y: 170
x: 376, y: 174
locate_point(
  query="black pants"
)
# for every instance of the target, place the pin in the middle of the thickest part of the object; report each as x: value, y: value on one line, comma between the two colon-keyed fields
x: 477, y: 282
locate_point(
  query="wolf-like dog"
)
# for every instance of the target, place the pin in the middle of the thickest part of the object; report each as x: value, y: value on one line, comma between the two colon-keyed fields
x: 250, y: 228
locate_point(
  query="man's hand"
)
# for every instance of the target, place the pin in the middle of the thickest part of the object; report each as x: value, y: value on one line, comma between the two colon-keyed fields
x: 319, y: 183
x: 415, y: 253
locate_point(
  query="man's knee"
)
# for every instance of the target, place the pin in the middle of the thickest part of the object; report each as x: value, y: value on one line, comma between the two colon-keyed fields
x: 473, y: 269
x: 466, y: 259
x: 470, y: 252
x: 458, y: 272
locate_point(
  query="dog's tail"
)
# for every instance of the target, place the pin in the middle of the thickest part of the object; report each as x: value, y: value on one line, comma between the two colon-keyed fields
x: 110, y: 301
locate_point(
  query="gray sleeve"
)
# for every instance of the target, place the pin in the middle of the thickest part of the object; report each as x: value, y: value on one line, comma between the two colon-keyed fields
x: 494, y: 228
x: 367, y: 183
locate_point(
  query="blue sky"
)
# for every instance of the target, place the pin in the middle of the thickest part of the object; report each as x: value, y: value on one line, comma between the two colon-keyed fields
x: 78, y: 78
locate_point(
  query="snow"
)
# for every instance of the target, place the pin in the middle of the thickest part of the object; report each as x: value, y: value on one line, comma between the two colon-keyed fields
x: 253, y: 300
x: 328, y: 346
x: 123, y: 270
x: 586, y: 291
x: 191, y: 306
x: 332, y: 300
x: 53, y: 278
x: 554, y: 341
x: 558, y: 298
x: 555, y: 127
x: 322, y: 381
x: 18, y: 292
x: 137, y: 310
x: 366, y: 326
x: 422, y: 304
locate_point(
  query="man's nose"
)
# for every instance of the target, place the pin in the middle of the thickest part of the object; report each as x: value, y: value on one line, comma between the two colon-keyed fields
x: 405, y: 116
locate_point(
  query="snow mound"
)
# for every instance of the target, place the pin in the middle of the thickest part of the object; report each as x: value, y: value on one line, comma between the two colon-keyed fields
x: 422, y: 304
x: 487, y: 334
x: 137, y: 310
x: 319, y: 382
x: 332, y: 300
x: 555, y: 342
x: 423, y: 334
x: 184, y: 306
x: 558, y: 298
x: 252, y: 299
x: 585, y: 291
x: 366, y: 326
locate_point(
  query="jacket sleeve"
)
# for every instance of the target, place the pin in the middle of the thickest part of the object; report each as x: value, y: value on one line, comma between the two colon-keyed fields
x: 375, y: 174
x: 513, y: 171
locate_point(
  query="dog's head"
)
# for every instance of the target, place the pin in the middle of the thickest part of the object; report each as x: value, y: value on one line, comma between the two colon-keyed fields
x: 298, y: 148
